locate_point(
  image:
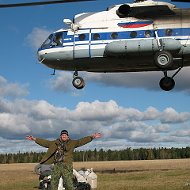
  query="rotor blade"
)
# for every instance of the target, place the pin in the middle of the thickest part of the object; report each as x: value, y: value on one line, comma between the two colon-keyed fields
x: 39, y: 3
x: 181, y: 1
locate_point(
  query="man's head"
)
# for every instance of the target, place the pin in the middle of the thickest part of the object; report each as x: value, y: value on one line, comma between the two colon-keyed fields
x: 64, y: 135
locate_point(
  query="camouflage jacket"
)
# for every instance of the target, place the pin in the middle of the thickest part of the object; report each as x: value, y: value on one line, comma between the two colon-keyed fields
x: 69, y: 149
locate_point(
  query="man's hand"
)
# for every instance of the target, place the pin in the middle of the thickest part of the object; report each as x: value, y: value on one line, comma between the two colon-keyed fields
x: 30, y: 137
x: 96, y: 135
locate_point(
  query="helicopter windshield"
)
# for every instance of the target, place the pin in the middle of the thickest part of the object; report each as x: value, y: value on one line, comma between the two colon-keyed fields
x: 54, y: 40
x: 47, y: 42
x: 57, y: 39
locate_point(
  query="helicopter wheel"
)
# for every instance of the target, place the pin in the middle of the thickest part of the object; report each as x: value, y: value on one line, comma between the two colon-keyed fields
x: 163, y: 59
x: 78, y: 82
x: 167, y: 83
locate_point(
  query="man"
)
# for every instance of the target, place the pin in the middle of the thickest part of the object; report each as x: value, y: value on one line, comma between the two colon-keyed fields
x: 60, y: 152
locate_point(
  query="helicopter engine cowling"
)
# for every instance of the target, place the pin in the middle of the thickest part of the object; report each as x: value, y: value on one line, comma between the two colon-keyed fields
x: 141, y: 47
x: 123, y: 11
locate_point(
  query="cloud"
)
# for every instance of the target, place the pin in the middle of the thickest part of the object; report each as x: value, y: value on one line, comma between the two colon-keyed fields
x: 170, y: 115
x: 37, y: 37
x: 62, y: 82
x: 144, y: 80
x: 130, y: 126
x: 12, y: 89
x: 151, y: 113
x: 42, y: 110
x: 182, y: 133
x: 15, y: 146
x: 20, y: 117
x: 162, y: 128
x: 13, y: 124
x: 97, y: 110
x: 147, y: 80
x: 182, y: 80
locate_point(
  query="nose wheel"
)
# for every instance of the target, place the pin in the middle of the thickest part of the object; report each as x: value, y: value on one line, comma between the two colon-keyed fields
x: 78, y: 82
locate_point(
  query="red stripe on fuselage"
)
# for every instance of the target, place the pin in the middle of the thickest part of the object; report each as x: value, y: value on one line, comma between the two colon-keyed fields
x: 133, y: 25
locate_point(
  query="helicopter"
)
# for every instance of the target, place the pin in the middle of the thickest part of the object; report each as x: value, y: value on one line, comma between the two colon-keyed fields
x: 131, y: 37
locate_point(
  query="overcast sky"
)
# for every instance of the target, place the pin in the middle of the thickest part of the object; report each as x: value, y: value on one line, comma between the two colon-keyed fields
x: 129, y: 109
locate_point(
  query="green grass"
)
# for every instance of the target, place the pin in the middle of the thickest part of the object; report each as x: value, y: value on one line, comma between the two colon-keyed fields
x: 146, y: 180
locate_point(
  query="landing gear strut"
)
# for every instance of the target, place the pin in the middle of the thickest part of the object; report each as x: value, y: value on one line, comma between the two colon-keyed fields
x: 164, y: 61
x: 78, y: 82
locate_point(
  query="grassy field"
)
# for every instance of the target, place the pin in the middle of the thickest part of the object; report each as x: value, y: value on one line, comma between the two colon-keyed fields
x: 132, y: 175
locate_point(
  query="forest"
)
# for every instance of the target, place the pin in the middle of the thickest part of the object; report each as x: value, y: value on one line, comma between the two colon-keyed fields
x: 103, y: 155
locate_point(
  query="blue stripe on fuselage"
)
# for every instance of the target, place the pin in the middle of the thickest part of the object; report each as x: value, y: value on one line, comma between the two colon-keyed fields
x: 126, y: 35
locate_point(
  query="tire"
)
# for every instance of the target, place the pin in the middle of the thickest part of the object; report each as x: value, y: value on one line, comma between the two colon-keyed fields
x: 163, y: 59
x: 167, y: 83
x: 78, y: 82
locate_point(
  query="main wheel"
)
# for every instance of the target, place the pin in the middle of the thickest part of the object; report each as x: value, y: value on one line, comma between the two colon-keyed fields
x: 78, y: 82
x: 163, y: 59
x: 167, y: 83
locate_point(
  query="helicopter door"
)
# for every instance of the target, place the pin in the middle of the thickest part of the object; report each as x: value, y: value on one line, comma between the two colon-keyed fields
x: 81, y: 44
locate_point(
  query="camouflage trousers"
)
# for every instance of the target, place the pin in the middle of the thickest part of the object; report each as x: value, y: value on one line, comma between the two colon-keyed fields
x: 64, y: 170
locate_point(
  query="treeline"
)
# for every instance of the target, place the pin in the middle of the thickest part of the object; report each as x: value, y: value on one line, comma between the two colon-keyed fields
x: 104, y: 155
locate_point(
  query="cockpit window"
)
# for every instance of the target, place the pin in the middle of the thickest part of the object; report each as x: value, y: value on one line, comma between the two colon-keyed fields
x: 57, y: 39
x: 53, y: 40
x: 47, y: 42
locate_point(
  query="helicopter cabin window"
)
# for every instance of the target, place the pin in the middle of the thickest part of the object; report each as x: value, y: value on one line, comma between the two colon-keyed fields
x: 114, y: 35
x: 147, y: 33
x: 133, y: 34
x: 57, y: 40
x: 169, y: 32
x: 96, y: 36
x: 82, y: 37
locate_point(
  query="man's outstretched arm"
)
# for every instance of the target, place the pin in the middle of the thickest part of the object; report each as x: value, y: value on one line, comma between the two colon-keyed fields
x: 42, y: 142
x: 87, y: 139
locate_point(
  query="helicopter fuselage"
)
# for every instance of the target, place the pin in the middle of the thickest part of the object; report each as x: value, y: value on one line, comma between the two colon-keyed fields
x: 106, y: 42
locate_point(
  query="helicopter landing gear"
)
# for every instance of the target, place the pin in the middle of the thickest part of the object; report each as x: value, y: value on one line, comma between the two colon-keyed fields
x: 168, y: 83
x: 78, y: 82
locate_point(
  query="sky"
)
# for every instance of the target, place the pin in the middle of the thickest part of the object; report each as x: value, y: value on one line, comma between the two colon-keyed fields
x: 129, y: 109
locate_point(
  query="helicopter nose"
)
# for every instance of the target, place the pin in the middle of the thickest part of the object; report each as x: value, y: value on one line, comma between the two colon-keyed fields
x: 41, y: 56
